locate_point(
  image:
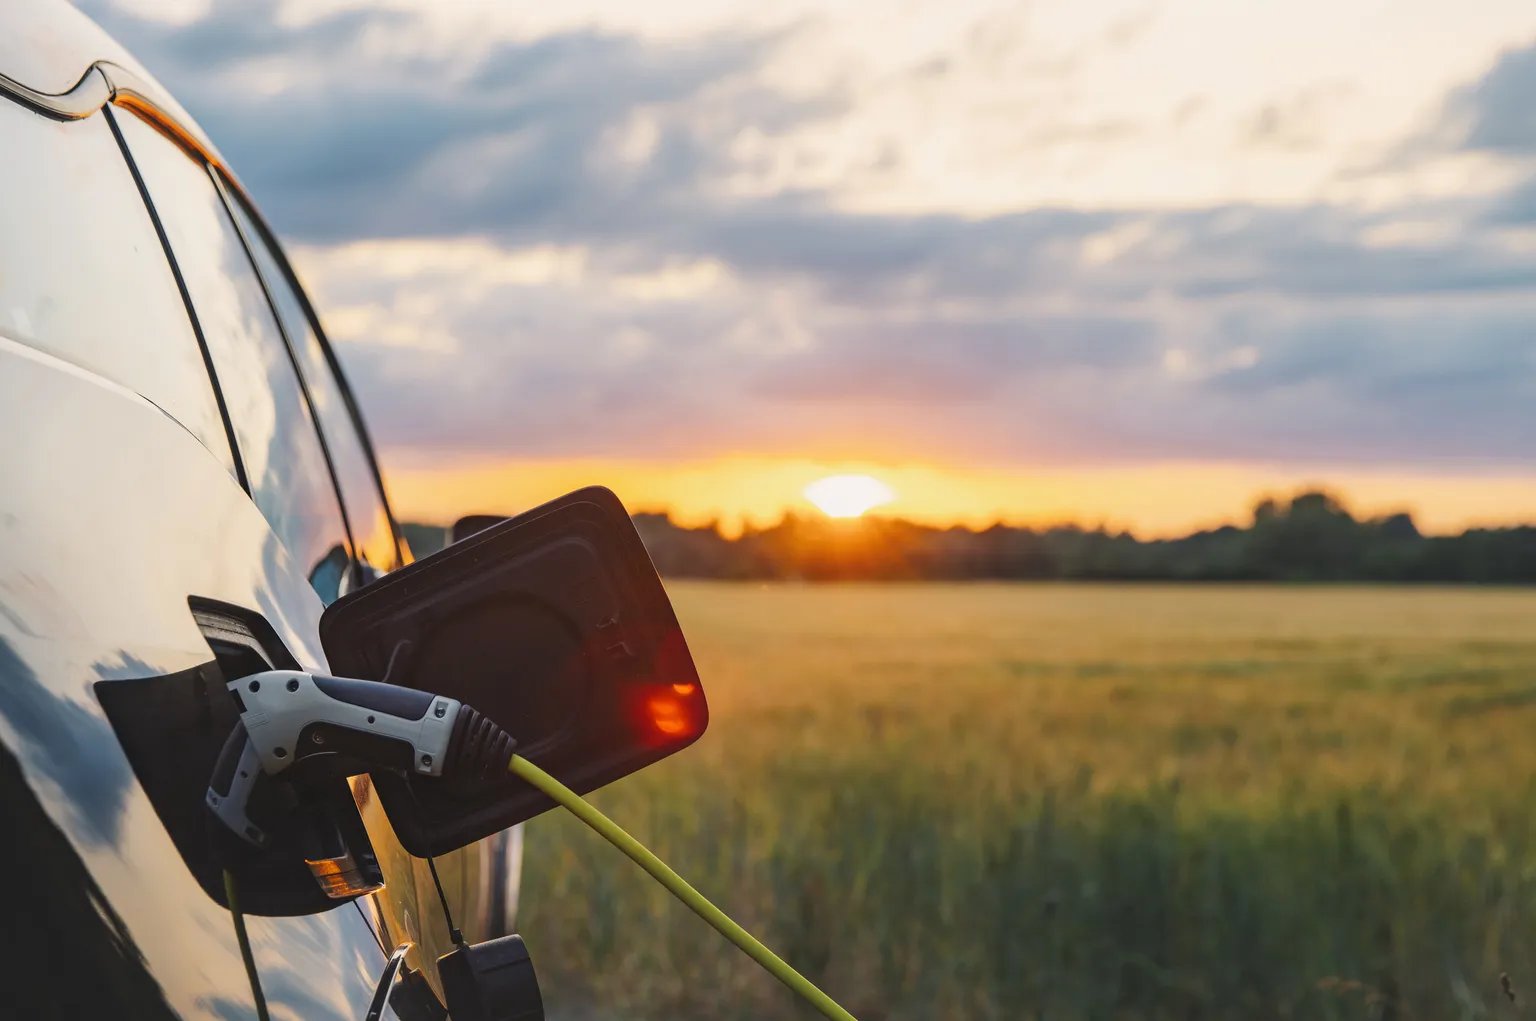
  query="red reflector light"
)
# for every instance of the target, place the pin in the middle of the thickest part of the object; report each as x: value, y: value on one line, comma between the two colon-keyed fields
x: 685, y: 689
x: 668, y: 717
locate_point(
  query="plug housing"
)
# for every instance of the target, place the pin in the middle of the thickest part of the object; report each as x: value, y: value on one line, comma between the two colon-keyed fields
x: 491, y: 981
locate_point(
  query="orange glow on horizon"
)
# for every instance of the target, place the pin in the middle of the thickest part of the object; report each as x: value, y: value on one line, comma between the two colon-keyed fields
x: 1151, y: 500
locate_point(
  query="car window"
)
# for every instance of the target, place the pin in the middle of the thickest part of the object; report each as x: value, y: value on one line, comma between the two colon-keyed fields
x: 83, y: 274
x: 373, y: 538
x: 275, y: 437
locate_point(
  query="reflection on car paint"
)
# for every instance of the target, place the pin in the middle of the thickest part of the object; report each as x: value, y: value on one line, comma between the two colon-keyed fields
x: 178, y: 525
x: 70, y: 746
x: 367, y: 519
x: 275, y: 434
x: 66, y: 923
x: 86, y: 280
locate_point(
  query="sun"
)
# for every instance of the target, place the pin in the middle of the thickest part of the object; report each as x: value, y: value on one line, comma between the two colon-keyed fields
x: 848, y: 496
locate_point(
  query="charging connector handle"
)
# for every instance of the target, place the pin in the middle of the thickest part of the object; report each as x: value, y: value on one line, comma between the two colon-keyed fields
x: 678, y: 887
x: 290, y: 716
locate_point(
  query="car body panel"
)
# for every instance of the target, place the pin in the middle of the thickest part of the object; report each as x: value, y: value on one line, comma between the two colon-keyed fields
x: 98, y: 554
x: 48, y: 48
x: 112, y: 515
x: 47, y: 45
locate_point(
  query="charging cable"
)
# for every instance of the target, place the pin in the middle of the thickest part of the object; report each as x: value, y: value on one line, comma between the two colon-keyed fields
x: 244, y: 939
x: 678, y: 887
x: 287, y: 716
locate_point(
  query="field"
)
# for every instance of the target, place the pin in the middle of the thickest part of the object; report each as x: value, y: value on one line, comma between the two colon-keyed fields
x: 1054, y: 801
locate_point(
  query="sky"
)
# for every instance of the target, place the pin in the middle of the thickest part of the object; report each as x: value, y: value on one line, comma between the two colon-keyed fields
x: 1129, y: 263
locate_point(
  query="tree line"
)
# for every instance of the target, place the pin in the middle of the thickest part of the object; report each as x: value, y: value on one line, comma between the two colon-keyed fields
x: 1310, y: 537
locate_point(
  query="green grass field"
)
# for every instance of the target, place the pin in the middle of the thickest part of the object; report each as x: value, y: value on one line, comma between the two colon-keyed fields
x: 1051, y: 801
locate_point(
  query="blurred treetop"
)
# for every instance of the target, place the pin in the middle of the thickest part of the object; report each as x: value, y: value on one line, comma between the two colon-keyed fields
x: 1311, y: 537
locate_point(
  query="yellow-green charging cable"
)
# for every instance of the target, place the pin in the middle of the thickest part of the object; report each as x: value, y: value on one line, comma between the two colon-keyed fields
x: 679, y: 888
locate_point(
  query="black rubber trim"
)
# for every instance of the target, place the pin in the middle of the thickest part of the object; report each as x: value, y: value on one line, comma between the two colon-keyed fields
x: 293, y: 358
x: 405, y: 703
x: 186, y: 299
x: 478, y: 752
x: 269, y: 238
x: 92, y: 92
x: 371, y: 751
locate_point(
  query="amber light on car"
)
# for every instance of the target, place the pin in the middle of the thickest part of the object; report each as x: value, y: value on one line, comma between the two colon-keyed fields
x: 341, y: 878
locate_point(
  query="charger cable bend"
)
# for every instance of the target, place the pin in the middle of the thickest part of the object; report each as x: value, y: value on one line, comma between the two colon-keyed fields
x: 287, y: 716
x: 678, y: 887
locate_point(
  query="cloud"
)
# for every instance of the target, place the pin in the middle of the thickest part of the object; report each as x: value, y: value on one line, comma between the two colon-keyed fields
x: 1495, y: 112
x: 352, y: 126
x: 1296, y: 123
x: 543, y: 246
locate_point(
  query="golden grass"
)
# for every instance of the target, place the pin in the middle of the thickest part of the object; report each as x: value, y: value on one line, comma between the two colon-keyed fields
x: 1085, y: 801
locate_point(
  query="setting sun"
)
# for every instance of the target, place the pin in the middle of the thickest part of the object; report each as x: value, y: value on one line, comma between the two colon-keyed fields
x: 848, y: 496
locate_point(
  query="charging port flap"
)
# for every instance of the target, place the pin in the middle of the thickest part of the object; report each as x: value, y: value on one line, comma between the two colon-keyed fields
x: 174, y: 729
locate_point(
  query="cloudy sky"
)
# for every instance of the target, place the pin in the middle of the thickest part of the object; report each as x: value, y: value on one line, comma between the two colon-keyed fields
x: 1128, y: 261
